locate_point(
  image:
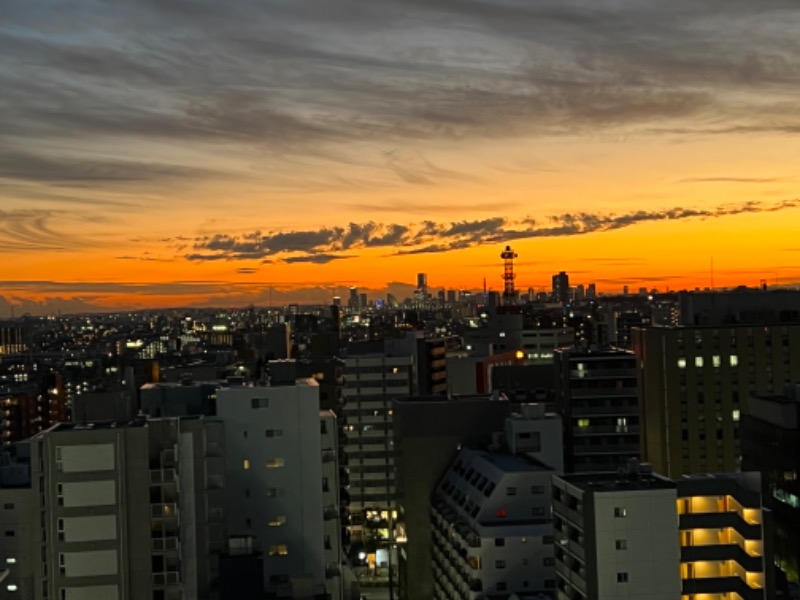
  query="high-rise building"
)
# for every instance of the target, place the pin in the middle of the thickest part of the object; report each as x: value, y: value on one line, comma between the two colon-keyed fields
x: 492, y: 527
x: 771, y: 445
x: 371, y: 383
x: 560, y: 289
x: 275, y: 483
x: 597, y: 397
x: 636, y: 534
x: 422, y: 283
x: 429, y: 433
x: 694, y: 388
x: 118, y: 510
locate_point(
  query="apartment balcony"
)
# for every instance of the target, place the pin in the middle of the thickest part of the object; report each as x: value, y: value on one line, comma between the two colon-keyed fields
x: 723, y: 552
x: 166, y: 545
x: 751, y: 531
x: 164, y: 511
x: 604, y: 392
x: 631, y: 410
x: 163, y: 476
x: 604, y: 430
x: 166, y: 579
x: 720, y: 586
x: 590, y: 373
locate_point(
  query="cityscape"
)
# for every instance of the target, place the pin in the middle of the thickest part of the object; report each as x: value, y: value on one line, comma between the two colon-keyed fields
x: 399, y: 300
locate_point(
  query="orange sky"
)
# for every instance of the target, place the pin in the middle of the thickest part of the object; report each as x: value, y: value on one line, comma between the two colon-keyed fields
x: 207, y: 154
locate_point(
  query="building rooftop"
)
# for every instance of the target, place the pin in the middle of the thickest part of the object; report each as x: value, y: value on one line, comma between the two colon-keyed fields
x: 618, y: 481
x: 512, y: 463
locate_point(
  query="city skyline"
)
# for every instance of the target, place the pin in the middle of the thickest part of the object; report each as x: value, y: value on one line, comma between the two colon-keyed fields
x: 195, y: 154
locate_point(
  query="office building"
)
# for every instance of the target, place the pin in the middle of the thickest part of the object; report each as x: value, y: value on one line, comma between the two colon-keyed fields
x: 694, y: 388
x: 597, y: 397
x: 739, y: 306
x: 118, y: 510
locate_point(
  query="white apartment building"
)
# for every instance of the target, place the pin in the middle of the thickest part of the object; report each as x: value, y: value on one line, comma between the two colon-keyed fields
x: 492, y: 528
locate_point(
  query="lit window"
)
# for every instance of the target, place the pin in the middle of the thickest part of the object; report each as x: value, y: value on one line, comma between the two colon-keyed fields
x: 11, y: 587
x: 583, y: 423
x: 245, y: 464
x: 278, y: 550
x: 681, y: 363
x: 698, y: 361
x: 275, y: 463
x: 277, y: 521
x: 736, y: 414
x: 501, y: 513
x: 716, y: 361
x: 734, y: 360
x: 502, y: 334
x: 620, y: 512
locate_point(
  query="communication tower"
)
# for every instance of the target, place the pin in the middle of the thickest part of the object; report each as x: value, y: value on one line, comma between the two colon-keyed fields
x: 508, y: 256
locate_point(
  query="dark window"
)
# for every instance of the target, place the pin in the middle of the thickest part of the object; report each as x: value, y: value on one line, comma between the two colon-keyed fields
x: 622, y: 578
x: 511, y: 491
x: 622, y: 544
x: 499, y: 541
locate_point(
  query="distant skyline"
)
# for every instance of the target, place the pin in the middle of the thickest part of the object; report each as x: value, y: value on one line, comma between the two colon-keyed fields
x: 189, y: 153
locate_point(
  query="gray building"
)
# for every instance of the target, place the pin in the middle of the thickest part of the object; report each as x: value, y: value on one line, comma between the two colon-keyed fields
x: 597, y: 396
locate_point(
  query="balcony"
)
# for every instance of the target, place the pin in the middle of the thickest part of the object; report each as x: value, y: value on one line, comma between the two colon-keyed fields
x: 166, y: 579
x: 161, y: 476
x: 722, y: 552
x: 164, y: 511
x: 165, y: 545
x: 751, y: 531
x: 721, y: 585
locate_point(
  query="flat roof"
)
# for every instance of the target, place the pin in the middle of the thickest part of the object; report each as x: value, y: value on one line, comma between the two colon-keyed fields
x: 615, y: 481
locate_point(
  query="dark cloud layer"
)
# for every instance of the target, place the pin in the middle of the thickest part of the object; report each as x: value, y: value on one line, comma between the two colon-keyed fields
x: 306, y: 77
x: 324, y: 245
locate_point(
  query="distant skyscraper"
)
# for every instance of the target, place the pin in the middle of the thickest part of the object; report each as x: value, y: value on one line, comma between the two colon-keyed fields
x: 353, y: 302
x: 591, y: 292
x: 422, y: 283
x: 561, y: 287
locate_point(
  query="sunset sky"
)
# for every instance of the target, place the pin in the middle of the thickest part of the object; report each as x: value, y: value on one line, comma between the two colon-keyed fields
x: 200, y: 153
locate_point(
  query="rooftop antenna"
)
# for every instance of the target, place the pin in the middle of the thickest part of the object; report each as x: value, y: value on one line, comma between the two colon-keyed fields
x: 508, y: 256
